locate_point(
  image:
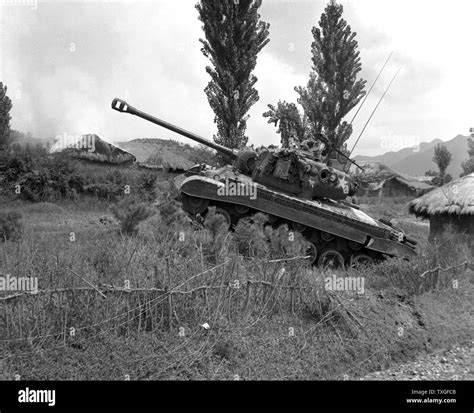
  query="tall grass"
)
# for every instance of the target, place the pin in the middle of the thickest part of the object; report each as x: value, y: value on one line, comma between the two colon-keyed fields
x: 235, y: 282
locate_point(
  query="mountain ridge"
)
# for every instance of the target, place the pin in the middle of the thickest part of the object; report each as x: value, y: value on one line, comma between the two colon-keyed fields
x: 415, y: 161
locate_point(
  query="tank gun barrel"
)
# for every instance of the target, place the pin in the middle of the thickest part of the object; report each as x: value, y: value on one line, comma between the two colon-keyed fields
x: 122, y: 106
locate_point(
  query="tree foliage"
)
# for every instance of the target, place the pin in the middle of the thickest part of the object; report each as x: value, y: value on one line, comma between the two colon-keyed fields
x: 234, y: 37
x: 442, y: 158
x: 468, y: 165
x: 333, y: 89
x: 289, y: 121
x: 5, y: 107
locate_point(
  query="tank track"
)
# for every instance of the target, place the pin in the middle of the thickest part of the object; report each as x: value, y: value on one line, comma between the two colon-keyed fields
x: 324, y: 250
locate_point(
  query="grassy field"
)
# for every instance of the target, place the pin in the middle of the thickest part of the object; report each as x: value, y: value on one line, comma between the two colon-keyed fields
x: 104, y: 311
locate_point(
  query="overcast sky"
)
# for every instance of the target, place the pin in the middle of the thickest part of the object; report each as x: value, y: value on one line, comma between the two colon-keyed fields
x: 64, y: 62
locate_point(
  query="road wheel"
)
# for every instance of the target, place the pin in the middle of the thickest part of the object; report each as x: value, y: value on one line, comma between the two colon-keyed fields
x: 241, y: 210
x: 355, y: 246
x: 194, y: 205
x: 226, y: 215
x: 299, y: 227
x: 272, y: 219
x: 327, y: 237
x: 312, y: 251
x: 361, y: 260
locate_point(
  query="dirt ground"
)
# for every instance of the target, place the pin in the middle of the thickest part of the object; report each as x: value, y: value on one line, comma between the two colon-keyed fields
x: 456, y: 363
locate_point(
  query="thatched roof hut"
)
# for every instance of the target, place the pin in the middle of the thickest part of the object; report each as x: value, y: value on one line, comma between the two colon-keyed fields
x: 168, y: 161
x: 449, y: 205
x: 91, y: 147
x: 378, y: 179
x: 402, y: 186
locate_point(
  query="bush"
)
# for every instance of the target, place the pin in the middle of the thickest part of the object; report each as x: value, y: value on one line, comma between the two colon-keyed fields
x: 146, y: 186
x: 10, y: 225
x: 42, y: 178
x: 129, y: 213
x: 256, y: 239
x: 217, y: 227
x: 18, y: 163
x: 285, y: 243
x: 250, y: 236
x: 171, y: 213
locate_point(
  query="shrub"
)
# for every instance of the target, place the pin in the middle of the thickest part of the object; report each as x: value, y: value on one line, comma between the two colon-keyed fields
x: 285, y: 243
x: 10, y: 225
x: 17, y: 165
x: 129, y: 213
x: 146, y: 186
x: 36, y: 185
x: 256, y: 239
x: 250, y: 236
x: 43, y: 179
x: 171, y: 212
x: 216, y: 225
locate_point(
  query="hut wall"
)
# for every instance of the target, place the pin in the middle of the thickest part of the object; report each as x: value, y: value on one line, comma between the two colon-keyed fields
x: 460, y: 223
x: 393, y: 188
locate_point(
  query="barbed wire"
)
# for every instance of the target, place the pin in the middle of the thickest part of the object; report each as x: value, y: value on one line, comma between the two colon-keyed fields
x: 164, y: 295
x: 439, y: 270
x: 110, y: 288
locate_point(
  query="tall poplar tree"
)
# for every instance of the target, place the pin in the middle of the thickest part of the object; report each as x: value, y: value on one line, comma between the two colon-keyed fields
x: 333, y: 88
x: 442, y: 158
x: 234, y: 37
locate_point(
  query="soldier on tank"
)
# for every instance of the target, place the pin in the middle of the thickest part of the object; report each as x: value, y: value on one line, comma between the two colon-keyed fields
x: 316, y: 148
x: 293, y: 142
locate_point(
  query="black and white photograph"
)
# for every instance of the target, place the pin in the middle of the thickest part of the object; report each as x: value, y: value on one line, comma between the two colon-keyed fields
x: 237, y: 191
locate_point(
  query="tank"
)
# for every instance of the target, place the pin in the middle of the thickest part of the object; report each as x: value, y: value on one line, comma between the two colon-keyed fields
x: 292, y: 186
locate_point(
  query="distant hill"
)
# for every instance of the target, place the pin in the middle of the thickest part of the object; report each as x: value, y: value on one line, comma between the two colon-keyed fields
x: 412, y: 163
x: 390, y: 158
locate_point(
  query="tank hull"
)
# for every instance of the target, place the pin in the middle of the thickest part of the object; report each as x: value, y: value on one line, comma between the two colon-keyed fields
x: 334, y: 218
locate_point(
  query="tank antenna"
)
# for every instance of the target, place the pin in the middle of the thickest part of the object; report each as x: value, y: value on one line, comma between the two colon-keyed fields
x: 376, y: 106
x: 371, y: 87
x: 360, y: 107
